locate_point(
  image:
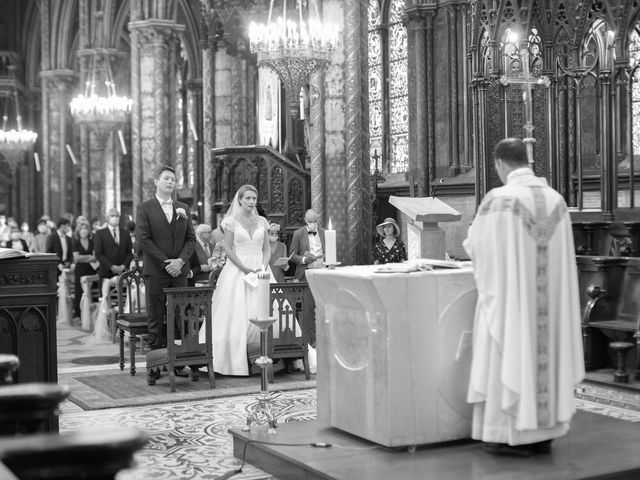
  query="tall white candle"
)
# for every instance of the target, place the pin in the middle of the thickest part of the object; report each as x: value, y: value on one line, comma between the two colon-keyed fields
x: 73, y: 157
x: 264, y: 295
x: 330, y: 245
x: 122, y: 144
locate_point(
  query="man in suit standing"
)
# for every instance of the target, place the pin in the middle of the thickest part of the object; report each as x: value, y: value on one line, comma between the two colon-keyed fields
x: 202, y: 253
x: 307, y: 246
x: 59, y: 242
x: 165, y: 236
x: 112, y: 247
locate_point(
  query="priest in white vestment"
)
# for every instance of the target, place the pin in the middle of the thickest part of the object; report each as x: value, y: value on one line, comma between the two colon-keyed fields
x: 527, y: 346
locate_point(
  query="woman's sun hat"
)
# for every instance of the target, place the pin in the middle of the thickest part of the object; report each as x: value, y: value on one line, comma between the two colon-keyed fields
x: 388, y: 221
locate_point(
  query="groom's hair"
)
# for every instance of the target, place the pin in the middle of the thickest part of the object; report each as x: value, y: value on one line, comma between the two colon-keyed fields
x: 164, y: 168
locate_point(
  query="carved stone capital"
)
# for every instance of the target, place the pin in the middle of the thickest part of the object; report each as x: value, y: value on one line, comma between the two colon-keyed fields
x: 156, y: 32
x: 59, y: 81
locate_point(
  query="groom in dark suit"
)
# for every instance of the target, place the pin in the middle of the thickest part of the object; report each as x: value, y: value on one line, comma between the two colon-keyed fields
x: 164, y: 234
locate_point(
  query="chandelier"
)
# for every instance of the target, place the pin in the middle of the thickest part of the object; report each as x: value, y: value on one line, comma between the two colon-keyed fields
x: 295, y: 45
x: 14, y: 143
x: 99, y: 107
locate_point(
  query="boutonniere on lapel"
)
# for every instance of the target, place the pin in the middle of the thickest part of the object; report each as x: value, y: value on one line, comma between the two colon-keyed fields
x: 181, y: 213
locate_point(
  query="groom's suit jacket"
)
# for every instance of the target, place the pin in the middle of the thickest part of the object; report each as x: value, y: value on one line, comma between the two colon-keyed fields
x: 160, y: 240
x: 300, y: 245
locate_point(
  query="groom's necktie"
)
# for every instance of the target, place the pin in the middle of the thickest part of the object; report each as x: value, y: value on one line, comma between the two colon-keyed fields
x: 115, y: 236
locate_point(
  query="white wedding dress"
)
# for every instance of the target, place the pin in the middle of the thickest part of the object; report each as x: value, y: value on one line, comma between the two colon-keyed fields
x: 234, y: 301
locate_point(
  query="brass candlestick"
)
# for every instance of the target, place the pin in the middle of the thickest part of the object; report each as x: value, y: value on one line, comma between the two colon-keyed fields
x: 261, y: 413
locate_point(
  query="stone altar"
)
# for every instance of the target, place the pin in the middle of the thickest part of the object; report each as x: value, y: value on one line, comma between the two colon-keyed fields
x: 394, y: 353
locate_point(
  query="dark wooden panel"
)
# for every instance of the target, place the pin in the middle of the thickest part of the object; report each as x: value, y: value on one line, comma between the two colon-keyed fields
x: 28, y: 300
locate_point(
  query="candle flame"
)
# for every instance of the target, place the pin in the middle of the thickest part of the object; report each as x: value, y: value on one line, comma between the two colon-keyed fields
x: 329, y: 226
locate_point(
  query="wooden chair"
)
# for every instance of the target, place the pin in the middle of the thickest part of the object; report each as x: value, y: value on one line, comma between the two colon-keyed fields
x: 188, y: 309
x: 289, y: 337
x: 132, y: 315
x: 8, y: 365
x: 617, y: 317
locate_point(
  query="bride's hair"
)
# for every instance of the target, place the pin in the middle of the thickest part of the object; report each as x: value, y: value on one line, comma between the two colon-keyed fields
x: 244, y: 189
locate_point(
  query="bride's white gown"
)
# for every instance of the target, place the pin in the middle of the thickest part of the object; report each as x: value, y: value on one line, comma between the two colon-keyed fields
x: 234, y: 301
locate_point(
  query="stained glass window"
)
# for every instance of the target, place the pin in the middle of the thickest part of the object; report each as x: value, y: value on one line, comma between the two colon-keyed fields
x: 634, y: 56
x: 394, y: 123
x: 398, y: 91
x: 376, y: 87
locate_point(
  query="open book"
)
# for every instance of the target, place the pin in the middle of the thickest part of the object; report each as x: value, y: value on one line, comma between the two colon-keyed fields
x: 422, y: 264
x: 282, y: 261
x: 13, y: 253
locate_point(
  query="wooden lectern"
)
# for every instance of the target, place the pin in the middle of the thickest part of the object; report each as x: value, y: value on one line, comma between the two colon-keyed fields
x: 425, y: 239
x: 28, y: 315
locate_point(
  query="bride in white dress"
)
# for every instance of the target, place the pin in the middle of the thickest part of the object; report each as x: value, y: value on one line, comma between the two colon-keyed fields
x: 247, y: 246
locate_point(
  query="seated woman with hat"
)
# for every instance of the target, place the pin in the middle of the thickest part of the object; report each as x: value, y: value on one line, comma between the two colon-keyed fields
x: 389, y: 248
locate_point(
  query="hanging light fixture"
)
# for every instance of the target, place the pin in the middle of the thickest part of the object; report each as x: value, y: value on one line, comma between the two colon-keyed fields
x: 101, y: 109
x: 294, y: 45
x: 99, y: 106
x: 15, y: 142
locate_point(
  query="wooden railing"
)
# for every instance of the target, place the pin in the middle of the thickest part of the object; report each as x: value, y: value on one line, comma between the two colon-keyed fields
x: 284, y: 185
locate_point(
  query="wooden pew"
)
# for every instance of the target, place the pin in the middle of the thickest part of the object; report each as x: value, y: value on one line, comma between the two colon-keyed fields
x: 26, y: 452
x: 97, y: 454
x: 30, y: 407
x: 591, y: 237
x: 617, y: 316
x: 597, y: 275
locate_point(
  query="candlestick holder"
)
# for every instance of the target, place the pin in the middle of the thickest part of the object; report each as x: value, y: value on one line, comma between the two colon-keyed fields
x: 261, y: 413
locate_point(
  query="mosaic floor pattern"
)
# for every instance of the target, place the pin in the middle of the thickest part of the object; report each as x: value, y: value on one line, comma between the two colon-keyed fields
x: 189, y: 440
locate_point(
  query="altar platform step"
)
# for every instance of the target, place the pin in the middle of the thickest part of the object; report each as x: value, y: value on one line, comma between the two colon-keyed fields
x: 597, y: 447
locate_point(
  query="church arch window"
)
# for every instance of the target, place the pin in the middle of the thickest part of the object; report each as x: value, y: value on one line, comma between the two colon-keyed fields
x: 388, y: 88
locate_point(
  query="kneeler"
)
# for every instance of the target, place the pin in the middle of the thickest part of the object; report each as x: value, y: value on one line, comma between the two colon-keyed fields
x: 188, y: 310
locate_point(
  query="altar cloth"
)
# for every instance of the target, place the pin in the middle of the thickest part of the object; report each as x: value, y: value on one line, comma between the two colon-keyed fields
x: 394, y: 353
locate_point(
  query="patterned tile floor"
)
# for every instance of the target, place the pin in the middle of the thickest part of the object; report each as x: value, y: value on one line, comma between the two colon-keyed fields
x: 189, y: 440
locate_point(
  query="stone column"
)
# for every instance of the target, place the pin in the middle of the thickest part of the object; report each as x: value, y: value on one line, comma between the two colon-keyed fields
x: 223, y: 83
x: 317, y: 143
x: 208, y: 122
x: 454, y: 115
x: 58, y: 171
x: 417, y: 82
x: 357, y: 133
x: 193, y: 174
x: 154, y: 43
x: 238, y: 100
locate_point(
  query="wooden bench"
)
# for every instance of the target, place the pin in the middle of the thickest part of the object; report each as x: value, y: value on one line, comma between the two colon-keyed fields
x: 616, y: 316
